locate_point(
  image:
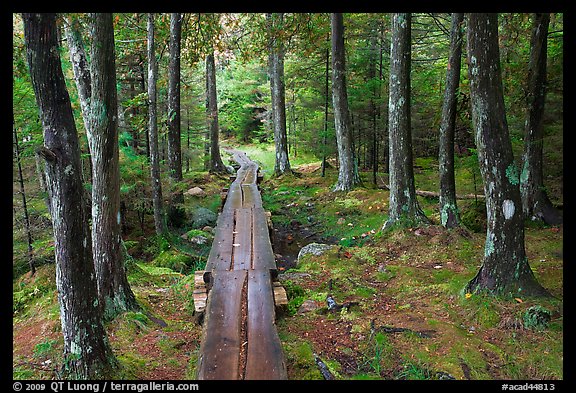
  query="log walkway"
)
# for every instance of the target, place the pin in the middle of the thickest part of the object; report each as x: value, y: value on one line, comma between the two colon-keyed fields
x: 240, y: 288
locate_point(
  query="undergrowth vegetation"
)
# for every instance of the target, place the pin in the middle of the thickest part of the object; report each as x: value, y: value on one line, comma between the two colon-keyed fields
x: 404, y: 314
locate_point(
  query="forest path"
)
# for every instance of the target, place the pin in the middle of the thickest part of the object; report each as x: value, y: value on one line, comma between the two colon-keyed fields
x: 240, y: 340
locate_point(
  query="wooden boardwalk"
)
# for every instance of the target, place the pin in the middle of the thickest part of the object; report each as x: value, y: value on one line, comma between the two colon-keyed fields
x: 240, y: 340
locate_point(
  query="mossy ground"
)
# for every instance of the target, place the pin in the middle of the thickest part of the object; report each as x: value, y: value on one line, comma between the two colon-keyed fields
x: 411, y: 278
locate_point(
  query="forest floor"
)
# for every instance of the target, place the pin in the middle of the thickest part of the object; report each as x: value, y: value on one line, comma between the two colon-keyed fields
x: 407, y: 316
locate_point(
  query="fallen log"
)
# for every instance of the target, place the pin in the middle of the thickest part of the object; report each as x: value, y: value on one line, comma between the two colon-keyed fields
x: 323, y: 368
x: 431, y: 194
x: 419, y: 333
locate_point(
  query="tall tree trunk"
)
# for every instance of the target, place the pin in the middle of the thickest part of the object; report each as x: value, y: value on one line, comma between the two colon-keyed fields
x: 87, y: 353
x: 81, y: 70
x: 113, y: 288
x: 159, y: 221
x: 176, y: 214
x: 404, y: 207
x: 535, y: 202
x: 505, y: 269
x: 373, y: 99
x: 347, y: 172
x: 24, y: 205
x: 80, y: 65
x: 278, y: 93
x: 326, y: 102
x: 216, y: 164
x: 449, y: 215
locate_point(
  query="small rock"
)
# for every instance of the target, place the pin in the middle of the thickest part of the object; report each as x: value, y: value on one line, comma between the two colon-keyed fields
x: 199, y: 240
x: 307, y: 306
x: 196, y: 191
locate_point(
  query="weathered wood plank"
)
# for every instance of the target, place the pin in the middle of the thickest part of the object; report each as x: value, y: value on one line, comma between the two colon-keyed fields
x: 264, y: 257
x: 221, y: 252
x: 243, y: 239
x: 234, y: 198
x: 220, y: 349
x: 264, y: 356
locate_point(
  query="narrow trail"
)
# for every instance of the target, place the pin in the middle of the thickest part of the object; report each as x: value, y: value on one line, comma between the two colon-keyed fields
x: 240, y: 340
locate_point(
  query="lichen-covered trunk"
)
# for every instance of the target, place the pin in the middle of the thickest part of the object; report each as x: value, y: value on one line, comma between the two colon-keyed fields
x: 449, y: 215
x: 404, y: 207
x: 535, y: 202
x: 113, y: 288
x: 347, y: 171
x: 87, y: 353
x: 80, y: 66
x: 159, y: 222
x: 216, y: 164
x: 278, y: 94
x: 176, y: 212
x: 505, y: 269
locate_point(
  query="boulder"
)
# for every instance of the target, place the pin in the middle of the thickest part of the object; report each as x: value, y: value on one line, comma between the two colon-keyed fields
x: 314, y: 249
x: 196, y: 191
x: 202, y: 217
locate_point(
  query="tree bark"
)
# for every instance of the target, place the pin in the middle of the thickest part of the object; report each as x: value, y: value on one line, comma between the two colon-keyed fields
x: 113, y: 288
x: 449, y: 215
x: 87, y: 353
x: 278, y: 93
x: 80, y: 65
x: 347, y: 172
x: 535, y: 202
x: 404, y: 207
x: 157, y: 202
x: 176, y: 214
x: 216, y: 164
x: 505, y: 269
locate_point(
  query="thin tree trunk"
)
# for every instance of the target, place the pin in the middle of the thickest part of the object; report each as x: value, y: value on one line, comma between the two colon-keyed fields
x: 326, y: 102
x: 278, y: 94
x: 347, y: 171
x: 113, y: 288
x: 87, y: 353
x: 24, y: 205
x: 216, y: 164
x: 404, y: 207
x: 449, y: 215
x: 159, y: 222
x: 535, y: 202
x: 176, y: 214
x: 505, y: 269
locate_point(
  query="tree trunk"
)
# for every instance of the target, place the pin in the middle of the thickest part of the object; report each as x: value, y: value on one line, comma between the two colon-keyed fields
x: 81, y: 70
x: 87, y: 353
x: 326, y: 102
x: 24, y: 205
x: 535, y: 202
x: 347, y: 172
x: 404, y: 207
x: 159, y: 222
x: 216, y: 164
x: 176, y: 214
x: 80, y: 65
x: 278, y: 95
x: 449, y: 215
x: 505, y: 269
x: 113, y: 288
